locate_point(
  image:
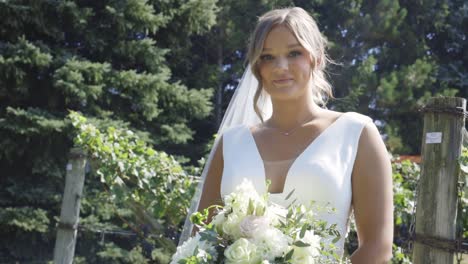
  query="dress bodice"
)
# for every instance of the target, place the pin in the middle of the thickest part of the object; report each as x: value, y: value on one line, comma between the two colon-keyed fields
x: 321, y: 173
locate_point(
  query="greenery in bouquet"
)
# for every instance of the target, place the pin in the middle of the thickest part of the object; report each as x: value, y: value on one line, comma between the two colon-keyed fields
x: 250, y: 229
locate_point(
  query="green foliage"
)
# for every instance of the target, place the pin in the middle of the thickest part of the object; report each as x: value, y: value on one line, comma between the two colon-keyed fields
x: 151, y: 185
x: 405, y: 178
x: 107, y: 60
x: 135, y: 15
x: 81, y: 82
x: 25, y: 218
x: 192, y: 10
x: 463, y: 194
x: 399, y: 256
x: 17, y: 61
x: 464, y: 159
x: 115, y: 254
x: 30, y: 122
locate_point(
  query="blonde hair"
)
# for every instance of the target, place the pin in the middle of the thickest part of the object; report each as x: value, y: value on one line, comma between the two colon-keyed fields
x: 306, y: 31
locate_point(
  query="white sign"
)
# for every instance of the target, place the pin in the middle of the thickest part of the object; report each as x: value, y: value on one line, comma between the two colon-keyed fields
x: 433, y: 137
x: 69, y: 167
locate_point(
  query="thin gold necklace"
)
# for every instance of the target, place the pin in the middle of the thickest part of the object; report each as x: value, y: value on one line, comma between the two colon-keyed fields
x: 291, y: 131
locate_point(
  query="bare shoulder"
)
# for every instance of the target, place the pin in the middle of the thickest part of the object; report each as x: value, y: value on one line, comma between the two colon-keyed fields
x: 329, y: 116
x: 358, y: 117
x: 372, y: 162
x: 370, y: 138
x: 370, y: 133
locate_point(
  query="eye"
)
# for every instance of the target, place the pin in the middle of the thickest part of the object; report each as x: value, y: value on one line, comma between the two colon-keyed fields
x: 266, y: 57
x: 295, y: 53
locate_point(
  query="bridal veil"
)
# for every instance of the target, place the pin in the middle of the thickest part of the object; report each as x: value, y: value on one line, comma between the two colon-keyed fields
x: 239, y: 112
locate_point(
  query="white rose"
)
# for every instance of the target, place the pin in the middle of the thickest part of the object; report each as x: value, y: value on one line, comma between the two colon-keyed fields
x: 236, y: 203
x: 314, y: 242
x: 188, y: 249
x: 276, y: 213
x: 241, y: 252
x: 231, y: 227
x: 253, y: 224
x: 301, y: 256
x: 244, y: 194
x: 218, y: 221
x: 307, y: 255
x: 271, y: 243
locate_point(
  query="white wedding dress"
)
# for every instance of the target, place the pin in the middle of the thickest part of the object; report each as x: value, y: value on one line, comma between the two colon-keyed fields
x: 321, y: 173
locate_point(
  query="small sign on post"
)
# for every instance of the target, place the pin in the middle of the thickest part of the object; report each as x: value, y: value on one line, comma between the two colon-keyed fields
x: 70, y: 211
x: 433, y: 137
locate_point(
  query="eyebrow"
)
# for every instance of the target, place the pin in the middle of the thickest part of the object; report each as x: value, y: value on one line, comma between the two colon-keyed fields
x: 289, y: 46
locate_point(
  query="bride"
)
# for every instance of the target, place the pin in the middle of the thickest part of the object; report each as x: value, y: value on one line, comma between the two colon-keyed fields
x: 275, y: 129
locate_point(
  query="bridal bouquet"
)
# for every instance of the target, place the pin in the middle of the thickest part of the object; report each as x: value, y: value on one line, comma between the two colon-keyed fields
x: 249, y: 229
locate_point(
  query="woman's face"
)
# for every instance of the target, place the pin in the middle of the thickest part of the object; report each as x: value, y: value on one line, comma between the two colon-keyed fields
x: 284, y: 65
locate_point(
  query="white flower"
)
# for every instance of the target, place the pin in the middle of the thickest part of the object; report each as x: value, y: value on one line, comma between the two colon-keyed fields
x: 251, y: 225
x: 244, y: 201
x: 188, y: 249
x: 276, y: 213
x: 243, y: 195
x: 314, y: 242
x: 242, y: 252
x: 301, y: 256
x: 307, y: 255
x: 231, y: 227
x: 218, y: 221
x: 271, y: 243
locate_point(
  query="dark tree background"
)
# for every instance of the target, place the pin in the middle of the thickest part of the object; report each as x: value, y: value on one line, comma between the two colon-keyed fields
x: 104, y: 59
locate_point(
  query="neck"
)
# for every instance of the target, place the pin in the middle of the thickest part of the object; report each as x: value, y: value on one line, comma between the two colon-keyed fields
x: 291, y: 113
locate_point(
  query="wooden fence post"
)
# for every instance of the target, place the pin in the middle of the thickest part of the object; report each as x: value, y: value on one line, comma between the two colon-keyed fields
x: 69, y: 214
x: 436, y: 210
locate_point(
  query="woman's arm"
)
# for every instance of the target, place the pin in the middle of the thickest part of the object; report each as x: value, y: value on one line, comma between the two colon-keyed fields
x: 372, y: 199
x: 211, y: 194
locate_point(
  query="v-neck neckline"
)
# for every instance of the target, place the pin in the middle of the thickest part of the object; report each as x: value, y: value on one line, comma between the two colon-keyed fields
x: 312, y: 143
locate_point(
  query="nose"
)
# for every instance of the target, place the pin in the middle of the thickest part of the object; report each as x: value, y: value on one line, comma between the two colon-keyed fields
x: 281, y: 63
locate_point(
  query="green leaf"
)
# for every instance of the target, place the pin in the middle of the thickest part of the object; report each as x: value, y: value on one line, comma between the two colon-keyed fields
x: 304, y: 228
x: 336, y: 239
x: 251, y: 208
x: 289, y: 194
x: 288, y: 256
x: 299, y: 243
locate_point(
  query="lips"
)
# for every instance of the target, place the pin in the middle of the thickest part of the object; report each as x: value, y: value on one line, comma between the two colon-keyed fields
x: 283, y: 81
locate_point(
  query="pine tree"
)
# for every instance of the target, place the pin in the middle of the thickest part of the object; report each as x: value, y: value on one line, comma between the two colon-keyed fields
x: 102, y: 58
x: 394, y: 55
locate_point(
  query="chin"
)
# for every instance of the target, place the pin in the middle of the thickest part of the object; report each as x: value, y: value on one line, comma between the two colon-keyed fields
x: 285, y: 93
x: 286, y: 96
